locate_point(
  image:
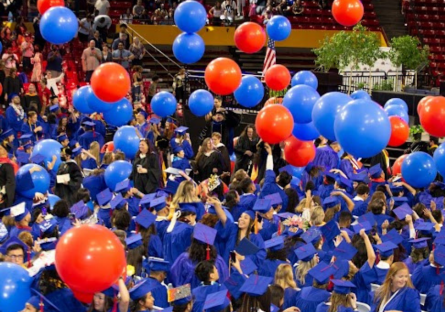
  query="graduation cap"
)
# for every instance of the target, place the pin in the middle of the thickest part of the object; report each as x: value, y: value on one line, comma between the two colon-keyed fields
x: 375, y: 171
x: 118, y: 202
x: 392, y: 236
x: 246, y: 247
x: 204, y: 234
x: 344, y: 183
x: 395, y: 189
x: 104, y: 197
x: 275, y: 199
x: 342, y: 287
x: 234, y: 284
x: 177, y: 149
x: 62, y: 138
x: 6, y: 134
x: 181, y: 130
x: 10, y: 242
x: 72, y: 144
x: 37, y: 158
x: 123, y: 187
x: 19, y: 211
x: 250, y: 213
x: 141, y: 289
x: 143, y: 113
x: 134, y: 241
x: 386, y: 249
x: 158, y: 203
x: 155, y: 121
x: 216, y: 301
x: 331, y: 175
x: 77, y: 151
x: 171, y: 187
x: 25, y: 137
x: 344, y: 251
x: 368, y: 217
x: 274, y: 308
x: 330, y: 202
x: 289, y: 169
x: 306, y: 252
x: 363, y: 225
x: 48, y: 243
x: 248, y: 266
x: 13, y: 95
x: 292, y: 231
x: 187, y: 207
x: 48, y: 226
x: 322, y: 272
x: 111, y: 291
x: 55, y: 107
x: 420, y: 242
x: 22, y: 157
x: 41, y: 303
x: 362, y: 176
x: 262, y: 205
x: 426, y: 227
x: 88, y: 124
x: 402, y: 211
x: 399, y: 201
x: 146, y: 199
x: 158, y: 264
x: 79, y: 209
x: 275, y: 243
x: 341, y: 268
x: 330, y: 230
x: 311, y: 236
x: 439, y: 255
x: 145, y: 218
x: 256, y: 285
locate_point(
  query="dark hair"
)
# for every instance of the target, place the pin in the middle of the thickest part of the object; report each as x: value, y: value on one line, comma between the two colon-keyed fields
x: 121, y: 219
x: 244, y: 185
x: 230, y: 201
x: 345, y: 216
x: 280, y: 254
x: 437, y: 215
x: 277, y: 294
x: 380, y: 188
x: 293, y: 201
x: 310, y: 185
x: 15, y: 247
x: 376, y: 206
x: 284, y: 179
x: 435, y: 140
x: 244, y: 133
x: 50, y: 281
x: 203, y: 271
x: 135, y: 306
x: 35, y: 214
x: 108, y: 305
x: 134, y: 258
x: 155, y: 78
x: 150, y: 148
x: 198, y: 251
x: 362, y: 189
x: 61, y: 209
x: 361, y: 256
x: 83, y: 194
x: 146, y: 234
x: 251, y: 303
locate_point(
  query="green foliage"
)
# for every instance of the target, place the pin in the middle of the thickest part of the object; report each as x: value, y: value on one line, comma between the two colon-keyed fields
x: 360, y: 85
x: 406, y: 51
x: 417, y: 129
x: 273, y: 93
x: 385, y: 85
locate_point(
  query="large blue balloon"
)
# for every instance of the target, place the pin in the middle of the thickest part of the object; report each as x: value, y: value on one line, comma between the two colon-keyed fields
x: 305, y: 132
x: 117, y: 172
x: 163, y: 104
x: 201, y: 102
x: 325, y: 110
x: 95, y: 103
x: 397, y: 101
x: 190, y: 16
x: 300, y: 100
x: 250, y: 92
x: 360, y: 94
x: 126, y: 139
x: 120, y: 113
x: 52, y: 199
x: 40, y: 179
x: 439, y: 158
x: 397, y: 110
x: 305, y: 77
x: 80, y: 102
x: 58, y: 25
x: 1, y: 47
x: 419, y: 169
x: 48, y: 148
x: 362, y: 128
x: 15, y: 287
x: 188, y: 48
x: 278, y: 28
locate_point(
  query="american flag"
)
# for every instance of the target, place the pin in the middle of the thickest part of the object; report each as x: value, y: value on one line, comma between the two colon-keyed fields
x: 270, y: 58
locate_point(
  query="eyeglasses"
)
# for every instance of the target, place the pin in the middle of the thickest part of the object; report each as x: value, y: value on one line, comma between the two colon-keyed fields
x: 15, y: 257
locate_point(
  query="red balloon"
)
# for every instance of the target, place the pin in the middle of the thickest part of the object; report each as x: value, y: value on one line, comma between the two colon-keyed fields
x: 273, y: 100
x: 110, y: 82
x: 44, y: 5
x: 274, y: 124
x: 422, y: 102
x: 90, y: 258
x: 399, y: 131
x: 250, y: 37
x: 1, y: 88
x: 347, y: 12
x: 83, y: 297
x: 222, y: 76
x: 298, y: 153
x: 277, y: 77
x: 397, y: 167
x: 432, y: 118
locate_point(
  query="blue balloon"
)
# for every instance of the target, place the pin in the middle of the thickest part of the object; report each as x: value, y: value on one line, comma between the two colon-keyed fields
x: 201, y: 102
x: 52, y: 199
x: 439, y: 158
x: 360, y: 94
x: 117, y: 172
x: 250, y: 92
x: 58, y: 25
x: 278, y: 28
x: 419, y: 169
x: 300, y: 100
x: 362, y: 128
x: 397, y: 101
x: 305, y: 77
x: 163, y: 104
x: 80, y: 102
x: 397, y: 110
x: 96, y: 104
x: 296, y: 172
x: 120, y: 114
x: 305, y: 132
x: 15, y: 287
x: 190, y: 16
x: 325, y: 110
x: 1, y: 47
x: 188, y: 48
x: 126, y: 139
x: 48, y: 148
x: 40, y: 179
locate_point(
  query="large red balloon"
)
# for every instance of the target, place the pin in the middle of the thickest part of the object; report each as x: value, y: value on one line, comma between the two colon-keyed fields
x: 298, y: 153
x: 422, y: 102
x: 110, y: 82
x: 274, y: 124
x: 250, y: 37
x: 399, y: 131
x: 397, y: 167
x: 89, y: 258
x: 347, y: 12
x: 277, y: 77
x: 432, y: 117
x: 222, y: 76
x: 83, y: 297
x: 44, y: 5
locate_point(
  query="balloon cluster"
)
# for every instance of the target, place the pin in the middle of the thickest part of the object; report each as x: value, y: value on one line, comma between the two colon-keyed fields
x: 15, y: 287
x: 58, y: 24
x: 190, y: 16
x: 397, y: 111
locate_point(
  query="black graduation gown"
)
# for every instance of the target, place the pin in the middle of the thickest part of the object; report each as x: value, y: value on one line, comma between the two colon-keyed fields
x: 243, y: 145
x: 7, y: 180
x: 147, y: 182
x: 69, y: 191
x: 205, y: 166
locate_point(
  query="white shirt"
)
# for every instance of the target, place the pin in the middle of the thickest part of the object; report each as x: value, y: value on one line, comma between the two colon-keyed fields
x: 106, y: 23
x: 102, y: 6
x: 85, y: 24
x: 52, y: 84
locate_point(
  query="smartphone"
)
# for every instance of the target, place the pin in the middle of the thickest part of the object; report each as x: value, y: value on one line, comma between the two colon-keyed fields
x: 233, y: 256
x: 72, y: 217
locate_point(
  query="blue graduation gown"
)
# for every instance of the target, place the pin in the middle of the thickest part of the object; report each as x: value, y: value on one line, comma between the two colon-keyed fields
x: 305, y: 178
x: 159, y: 293
x: 269, y: 228
x: 64, y: 300
x: 89, y: 163
x: 29, y: 129
x: 325, y: 190
x: 269, y: 267
x: 155, y: 247
x: 323, y: 307
x: 15, y: 231
x: 308, y: 298
x: 64, y: 224
x: 434, y: 300
x: 246, y: 202
x: 95, y: 184
x: 406, y: 300
x: 290, y: 295
x: 425, y: 277
x: 143, y: 129
x: 161, y: 228
x: 89, y: 137
x: 14, y: 120
x: 3, y: 124
x: 308, y: 280
x: 181, y: 163
x: 177, y: 241
x: 200, y: 293
x: 413, y: 266
x: 326, y: 157
x: 133, y: 206
x: 360, y: 208
x: 362, y: 280
x: 271, y: 187
x: 188, y: 150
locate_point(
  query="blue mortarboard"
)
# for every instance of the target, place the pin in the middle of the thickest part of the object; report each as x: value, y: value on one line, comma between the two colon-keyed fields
x: 62, y: 138
x: 330, y: 230
x: 141, y: 289
x: 322, y: 272
x: 27, y: 145
x: 246, y: 247
x: 134, y: 241
x: 187, y: 207
x: 79, y: 209
x: 37, y: 159
x: 424, y: 226
x: 344, y: 251
x: 25, y: 137
x: 123, y: 186
x: 72, y: 144
x: 77, y: 151
x: 248, y: 266
x: 104, y: 197
x: 402, y: 211
x: 420, y: 242
x: 12, y: 95
x: 204, y: 234
x: 111, y: 291
x: 234, y: 284
x: 439, y: 255
x: 176, y: 149
x: 286, y: 215
x: 275, y: 199
x: 344, y: 183
x: 311, y: 236
x: 398, y: 201
x: 143, y: 113
x: 22, y: 157
x: 158, y: 264
x: 146, y: 199
x: 362, y: 225
x: 396, y: 189
x: 341, y: 268
x: 306, y: 252
x: 171, y: 187
x: 386, y: 249
x: 6, y: 134
x: 181, y: 130
x: 89, y: 124
x: 367, y: 217
x: 145, y: 218
x: 256, y: 285
x: 342, y: 287
x: 54, y: 108
x: 331, y: 175
x: 158, y: 203
x: 289, y: 169
x: 38, y: 299
x: 48, y: 226
x: 155, y: 121
x: 262, y: 205
x: 330, y: 202
x: 250, y: 213
x: 292, y: 231
x: 362, y: 176
x: 118, y: 202
x: 375, y: 171
x: 275, y: 243
x: 274, y: 308
x: 18, y: 211
x: 392, y: 236
x: 12, y: 241
x: 216, y: 301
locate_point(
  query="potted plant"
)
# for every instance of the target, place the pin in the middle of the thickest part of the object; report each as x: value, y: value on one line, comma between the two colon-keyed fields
x: 416, y: 132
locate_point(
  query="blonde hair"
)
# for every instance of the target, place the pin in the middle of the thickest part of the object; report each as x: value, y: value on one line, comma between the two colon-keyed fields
x: 95, y: 151
x: 330, y: 213
x: 303, y: 268
x: 26, y: 237
x: 317, y: 216
x: 186, y: 193
x: 338, y: 300
x: 284, y: 276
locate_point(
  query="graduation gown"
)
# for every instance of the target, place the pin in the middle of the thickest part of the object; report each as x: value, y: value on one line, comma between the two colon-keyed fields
x: 200, y: 293
x: 425, y: 277
x: 64, y: 300
x: 147, y: 182
x: 271, y: 187
x: 326, y: 158
x: 188, y: 150
x: 155, y: 247
x: 434, y: 300
x: 413, y: 266
x: 406, y: 300
x: 89, y: 137
x: 246, y: 202
x: 177, y: 241
x: 206, y: 164
x: 325, y: 190
x: 308, y: 298
x: 269, y: 267
x: 159, y: 293
x: 290, y: 295
x: 95, y: 184
x: 324, y: 307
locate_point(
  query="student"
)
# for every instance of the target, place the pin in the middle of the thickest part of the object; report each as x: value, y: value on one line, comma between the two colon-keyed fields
x: 360, y: 200
x: 342, y: 298
x: 142, y: 299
